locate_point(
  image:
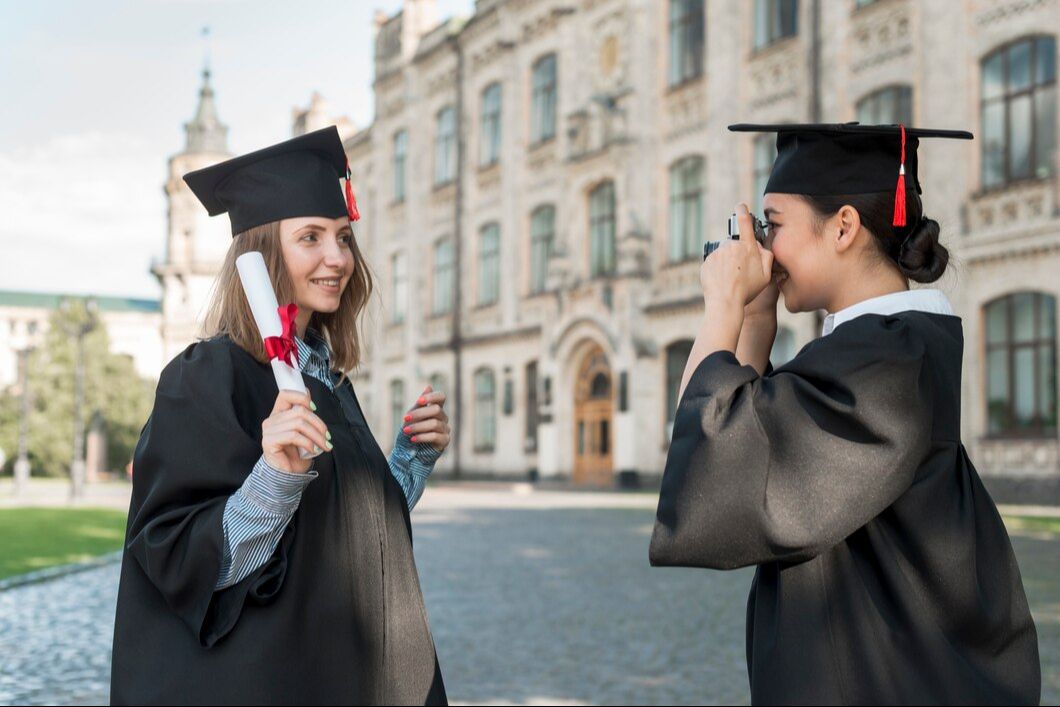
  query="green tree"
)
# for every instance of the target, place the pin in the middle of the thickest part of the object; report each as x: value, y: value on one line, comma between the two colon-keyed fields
x: 112, y: 386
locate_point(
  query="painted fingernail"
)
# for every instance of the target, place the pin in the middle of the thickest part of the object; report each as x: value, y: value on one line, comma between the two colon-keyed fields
x: 413, y: 438
x: 408, y: 418
x: 406, y: 429
x: 421, y: 400
x: 312, y: 405
x: 327, y: 434
x: 330, y: 445
x: 317, y: 450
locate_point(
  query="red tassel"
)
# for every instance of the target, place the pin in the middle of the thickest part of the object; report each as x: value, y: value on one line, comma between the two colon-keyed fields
x: 351, y: 203
x: 899, y: 196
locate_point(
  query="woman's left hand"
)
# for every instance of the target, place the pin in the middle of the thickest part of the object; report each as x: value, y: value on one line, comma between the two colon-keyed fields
x: 426, y: 422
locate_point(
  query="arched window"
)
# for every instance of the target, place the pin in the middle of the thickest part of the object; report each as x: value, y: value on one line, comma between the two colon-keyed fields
x: 677, y: 355
x: 445, y: 146
x: 542, y: 235
x: 543, y: 100
x: 438, y: 382
x: 442, y: 302
x: 485, y: 410
x: 686, y: 209
x: 1018, y: 112
x: 774, y: 20
x: 1021, y: 365
x: 489, y: 264
x: 890, y: 105
x: 686, y: 40
x: 602, y: 229
x: 490, y: 137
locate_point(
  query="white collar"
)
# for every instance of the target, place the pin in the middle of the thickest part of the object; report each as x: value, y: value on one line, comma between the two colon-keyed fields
x: 923, y: 300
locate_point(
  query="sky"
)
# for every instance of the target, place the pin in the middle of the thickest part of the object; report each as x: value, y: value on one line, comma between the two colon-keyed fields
x: 95, y: 98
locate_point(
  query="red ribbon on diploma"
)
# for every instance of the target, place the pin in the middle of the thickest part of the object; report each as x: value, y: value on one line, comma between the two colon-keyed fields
x: 283, y: 346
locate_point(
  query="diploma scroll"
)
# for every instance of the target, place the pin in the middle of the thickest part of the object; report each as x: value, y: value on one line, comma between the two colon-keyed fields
x: 262, y: 298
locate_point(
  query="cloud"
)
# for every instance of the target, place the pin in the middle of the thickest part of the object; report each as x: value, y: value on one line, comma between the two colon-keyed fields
x: 82, y: 212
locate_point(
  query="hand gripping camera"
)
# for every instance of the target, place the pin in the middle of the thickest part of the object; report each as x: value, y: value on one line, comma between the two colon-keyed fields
x: 734, y: 234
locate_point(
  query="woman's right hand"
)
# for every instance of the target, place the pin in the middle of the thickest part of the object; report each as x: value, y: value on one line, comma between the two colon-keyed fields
x: 292, y: 426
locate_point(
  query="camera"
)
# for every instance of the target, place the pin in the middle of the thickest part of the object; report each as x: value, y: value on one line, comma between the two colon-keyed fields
x: 734, y: 234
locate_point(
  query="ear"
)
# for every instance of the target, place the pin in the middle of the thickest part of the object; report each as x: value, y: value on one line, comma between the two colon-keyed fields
x: 846, y: 228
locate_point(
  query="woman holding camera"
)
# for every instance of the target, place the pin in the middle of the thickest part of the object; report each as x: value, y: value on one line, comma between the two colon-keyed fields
x: 884, y: 571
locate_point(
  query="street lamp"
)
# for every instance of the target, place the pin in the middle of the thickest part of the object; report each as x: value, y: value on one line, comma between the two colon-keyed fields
x: 77, y: 466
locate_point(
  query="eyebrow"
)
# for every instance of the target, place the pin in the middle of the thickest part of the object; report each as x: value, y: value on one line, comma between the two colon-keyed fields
x: 770, y: 211
x: 320, y: 229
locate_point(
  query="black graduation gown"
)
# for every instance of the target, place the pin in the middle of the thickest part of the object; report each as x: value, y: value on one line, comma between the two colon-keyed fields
x: 885, y: 574
x: 334, y: 616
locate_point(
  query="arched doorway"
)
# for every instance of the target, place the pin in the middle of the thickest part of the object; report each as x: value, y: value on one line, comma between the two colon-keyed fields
x: 593, y: 429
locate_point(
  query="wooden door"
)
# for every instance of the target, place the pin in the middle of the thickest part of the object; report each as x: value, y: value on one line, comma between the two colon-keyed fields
x: 593, y: 429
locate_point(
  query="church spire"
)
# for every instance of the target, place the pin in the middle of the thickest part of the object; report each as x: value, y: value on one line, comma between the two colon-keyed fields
x: 205, y: 132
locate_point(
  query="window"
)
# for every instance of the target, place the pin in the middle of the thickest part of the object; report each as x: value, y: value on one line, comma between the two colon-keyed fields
x: 489, y: 264
x: 686, y: 209
x: 401, y: 148
x: 443, y: 277
x: 774, y: 20
x: 438, y: 383
x: 686, y: 40
x: 445, y: 146
x: 485, y: 410
x: 397, y: 405
x: 1021, y: 365
x: 543, y: 100
x: 490, y: 138
x: 532, y: 418
x: 765, y: 149
x: 888, y: 106
x: 400, y: 284
x: 1018, y: 112
x: 677, y: 355
x: 542, y: 234
x: 783, y: 347
x: 602, y: 229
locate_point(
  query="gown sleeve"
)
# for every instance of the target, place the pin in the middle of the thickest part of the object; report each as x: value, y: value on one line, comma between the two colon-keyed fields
x: 193, y: 454
x: 784, y: 466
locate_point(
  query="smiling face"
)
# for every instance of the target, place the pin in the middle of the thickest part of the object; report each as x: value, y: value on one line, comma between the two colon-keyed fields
x: 319, y: 258
x: 806, y: 258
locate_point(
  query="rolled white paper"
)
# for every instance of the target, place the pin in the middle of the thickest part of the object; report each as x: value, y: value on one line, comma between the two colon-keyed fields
x: 262, y: 298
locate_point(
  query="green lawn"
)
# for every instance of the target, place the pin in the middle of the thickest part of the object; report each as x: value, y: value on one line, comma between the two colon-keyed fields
x: 1038, y: 523
x: 34, y: 538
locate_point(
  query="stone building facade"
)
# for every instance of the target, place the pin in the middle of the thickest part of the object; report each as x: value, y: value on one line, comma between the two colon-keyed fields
x: 539, y: 178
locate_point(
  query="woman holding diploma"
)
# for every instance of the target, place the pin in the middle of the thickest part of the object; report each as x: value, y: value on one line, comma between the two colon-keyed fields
x: 268, y: 555
x: 884, y: 572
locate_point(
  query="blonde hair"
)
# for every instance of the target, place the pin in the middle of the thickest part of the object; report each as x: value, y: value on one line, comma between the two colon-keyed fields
x: 229, y: 312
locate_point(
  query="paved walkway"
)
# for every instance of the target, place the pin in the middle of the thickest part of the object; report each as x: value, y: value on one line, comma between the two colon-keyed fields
x: 534, y: 598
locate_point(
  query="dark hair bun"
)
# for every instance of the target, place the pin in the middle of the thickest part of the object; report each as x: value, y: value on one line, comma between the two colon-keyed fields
x: 921, y: 257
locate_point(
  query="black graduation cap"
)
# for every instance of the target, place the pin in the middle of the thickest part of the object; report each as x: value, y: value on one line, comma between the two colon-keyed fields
x: 297, y: 177
x: 846, y: 158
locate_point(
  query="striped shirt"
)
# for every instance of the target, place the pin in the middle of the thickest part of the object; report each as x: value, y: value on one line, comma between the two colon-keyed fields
x: 258, y: 512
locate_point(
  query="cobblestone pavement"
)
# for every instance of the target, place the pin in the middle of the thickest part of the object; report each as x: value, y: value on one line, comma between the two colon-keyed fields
x: 546, y: 599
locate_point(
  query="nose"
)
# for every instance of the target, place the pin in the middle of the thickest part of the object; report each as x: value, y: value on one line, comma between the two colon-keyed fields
x: 333, y: 255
